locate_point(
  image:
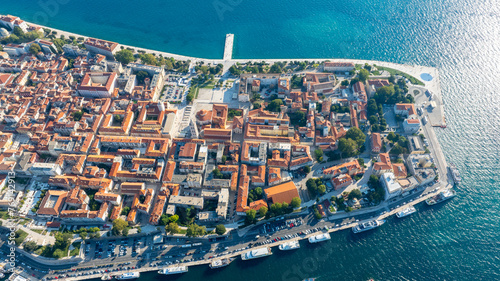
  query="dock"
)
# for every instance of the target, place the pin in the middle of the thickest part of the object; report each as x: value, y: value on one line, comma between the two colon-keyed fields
x: 227, y: 60
x: 228, y: 47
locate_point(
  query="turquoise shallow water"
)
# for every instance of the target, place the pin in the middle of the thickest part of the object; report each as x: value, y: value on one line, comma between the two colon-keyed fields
x: 456, y: 241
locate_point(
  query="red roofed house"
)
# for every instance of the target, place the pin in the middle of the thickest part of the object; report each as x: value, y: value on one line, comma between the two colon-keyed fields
x: 376, y: 142
x: 405, y: 109
x: 97, y: 84
x: 341, y: 181
x: 282, y: 193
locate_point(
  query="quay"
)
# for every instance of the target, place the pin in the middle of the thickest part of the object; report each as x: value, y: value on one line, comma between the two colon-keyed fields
x: 350, y: 223
x: 228, y: 47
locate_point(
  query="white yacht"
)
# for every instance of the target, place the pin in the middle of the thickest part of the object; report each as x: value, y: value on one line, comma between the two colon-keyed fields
x: 365, y: 226
x: 291, y: 245
x: 173, y: 270
x: 443, y: 196
x: 128, y: 275
x: 257, y: 253
x: 406, y: 212
x: 221, y: 263
x: 319, y: 238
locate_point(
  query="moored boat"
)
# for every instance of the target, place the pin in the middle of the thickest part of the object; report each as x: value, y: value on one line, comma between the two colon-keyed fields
x: 257, y: 253
x: 406, y: 212
x: 442, y: 196
x: 368, y: 225
x: 221, y: 263
x: 291, y: 245
x: 455, y: 174
x: 319, y: 238
x: 128, y: 276
x: 173, y: 270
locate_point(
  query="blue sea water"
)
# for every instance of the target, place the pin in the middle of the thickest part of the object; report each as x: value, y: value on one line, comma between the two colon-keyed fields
x: 459, y: 240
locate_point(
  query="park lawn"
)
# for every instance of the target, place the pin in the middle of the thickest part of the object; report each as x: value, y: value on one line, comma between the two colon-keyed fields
x: 21, y: 235
x: 392, y: 71
x: 76, y: 250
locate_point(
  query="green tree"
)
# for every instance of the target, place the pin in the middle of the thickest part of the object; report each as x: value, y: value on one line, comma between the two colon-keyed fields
x: 125, y: 231
x: 307, y: 169
x: 35, y: 48
x: 62, y: 240
x: 125, y: 56
x: 83, y: 235
x: 250, y: 216
x: 357, y: 135
x: 18, y: 31
x: 296, y: 202
x: 263, y: 211
x: 275, y: 105
x: 317, y: 215
x: 298, y: 118
x: 363, y: 75
x: 361, y: 162
x: 125, y: 211
x: 58, y: 254
x: 217, y: 174
x: 348, y: 147
x: 118, y: 226
x: 148, y: 59
x: 220, y: 229
x: 356, y: 193
x: 311, y: 186
x: 174, y: 218
x: 141, y: 75
x: 172, y: 228
x: 195, y: 230
x: 276, y: 68
x: 164, y: 219
x: 319, y: 153
x: 30, y: 246
x: 77, y: 115
x: 256, y: 105
x: 321, y: 189
x: 344, y: 83
x: 392, y: 137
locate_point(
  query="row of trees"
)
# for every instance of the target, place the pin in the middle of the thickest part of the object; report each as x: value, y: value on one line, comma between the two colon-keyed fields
x: 193, y: 230
x: 18, y: 36
x: 126, y: 56
x: 276, y: 209
x: 376, y: 116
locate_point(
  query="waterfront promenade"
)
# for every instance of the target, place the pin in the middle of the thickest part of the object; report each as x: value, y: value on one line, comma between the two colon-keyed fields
x: 349, y: 221
x: 434, y: 85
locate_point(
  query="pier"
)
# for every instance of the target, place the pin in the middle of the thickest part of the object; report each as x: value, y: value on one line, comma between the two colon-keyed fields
x: 227, y: 60
x: 228, y: 47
